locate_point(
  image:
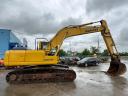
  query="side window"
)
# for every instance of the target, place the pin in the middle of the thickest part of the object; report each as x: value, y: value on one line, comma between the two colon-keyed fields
x: 89, y: 60
x: 92, y: 59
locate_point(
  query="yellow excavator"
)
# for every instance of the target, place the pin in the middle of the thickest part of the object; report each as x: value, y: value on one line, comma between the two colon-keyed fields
x: 41, y: 65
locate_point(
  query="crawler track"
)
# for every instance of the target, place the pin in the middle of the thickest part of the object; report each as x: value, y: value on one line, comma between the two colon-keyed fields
x: 40, y: 75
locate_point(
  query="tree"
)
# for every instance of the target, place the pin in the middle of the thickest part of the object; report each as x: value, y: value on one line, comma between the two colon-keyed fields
x: 94, y: 50
x: 123, y: 53
x: 62, y: 53
x: 105, y: 52
x: 86, y: 52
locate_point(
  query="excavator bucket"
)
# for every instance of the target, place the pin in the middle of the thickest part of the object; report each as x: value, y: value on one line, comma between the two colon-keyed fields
x: 116, y: 68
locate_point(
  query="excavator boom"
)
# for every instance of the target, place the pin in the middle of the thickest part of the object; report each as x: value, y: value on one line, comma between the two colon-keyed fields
x: 116, y: 67
x: 75, y: 30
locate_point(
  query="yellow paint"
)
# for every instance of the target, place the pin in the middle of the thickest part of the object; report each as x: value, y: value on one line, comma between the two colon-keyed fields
x: 28, y: 57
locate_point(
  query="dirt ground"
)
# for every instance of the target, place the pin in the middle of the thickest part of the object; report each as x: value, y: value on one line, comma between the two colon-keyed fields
x: 90, y: 81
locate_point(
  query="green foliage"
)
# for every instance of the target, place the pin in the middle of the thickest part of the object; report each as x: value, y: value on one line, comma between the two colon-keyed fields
x: 123, y: 54
x: 86, y: 52
x: 94, y: 50
x: 105, y: 52
x: 62, y: 53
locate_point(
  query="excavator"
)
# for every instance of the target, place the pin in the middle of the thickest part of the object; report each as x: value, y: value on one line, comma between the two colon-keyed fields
x: 41, y: 64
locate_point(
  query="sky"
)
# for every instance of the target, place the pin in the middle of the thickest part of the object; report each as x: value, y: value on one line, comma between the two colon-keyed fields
x: 32, y: 19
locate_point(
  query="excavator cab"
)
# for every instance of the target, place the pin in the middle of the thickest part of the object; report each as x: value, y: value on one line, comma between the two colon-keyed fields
x: 41, y: 43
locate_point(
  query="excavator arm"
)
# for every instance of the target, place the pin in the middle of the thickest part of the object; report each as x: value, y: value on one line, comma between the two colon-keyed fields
x: 88, y: 28
x: 116, y: 67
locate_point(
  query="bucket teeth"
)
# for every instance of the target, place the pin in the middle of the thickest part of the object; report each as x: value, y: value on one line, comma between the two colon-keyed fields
x: 116, y: 68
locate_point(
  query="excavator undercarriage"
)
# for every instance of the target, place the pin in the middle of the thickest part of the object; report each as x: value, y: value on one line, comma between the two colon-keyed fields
x: 41, y: 74
x: 54, y: 73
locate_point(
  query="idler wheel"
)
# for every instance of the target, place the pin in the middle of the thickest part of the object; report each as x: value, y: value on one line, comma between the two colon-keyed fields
x: 11, y: 77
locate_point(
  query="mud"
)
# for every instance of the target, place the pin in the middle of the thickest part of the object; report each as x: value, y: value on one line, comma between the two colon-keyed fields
x: 90, y: 81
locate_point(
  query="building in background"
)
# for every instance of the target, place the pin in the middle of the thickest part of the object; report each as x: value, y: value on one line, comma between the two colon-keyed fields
x: 7, y: 41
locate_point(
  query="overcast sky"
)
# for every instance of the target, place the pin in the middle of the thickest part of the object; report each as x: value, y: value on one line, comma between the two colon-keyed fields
x: 43, y: 18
